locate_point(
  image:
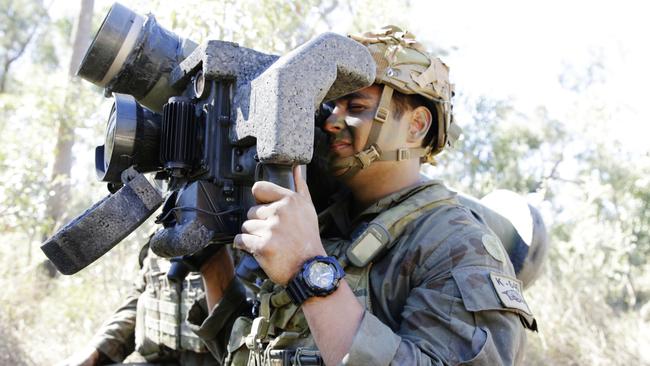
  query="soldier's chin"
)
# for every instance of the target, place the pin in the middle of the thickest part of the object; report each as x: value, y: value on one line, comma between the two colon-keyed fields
x: 337, y: 171
x: 340, y: 172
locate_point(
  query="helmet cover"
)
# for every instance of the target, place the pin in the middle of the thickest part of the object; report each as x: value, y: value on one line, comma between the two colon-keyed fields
x: 406, y: 66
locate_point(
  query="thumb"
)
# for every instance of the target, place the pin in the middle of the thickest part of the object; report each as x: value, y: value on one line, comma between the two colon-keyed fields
x: 301, y: 184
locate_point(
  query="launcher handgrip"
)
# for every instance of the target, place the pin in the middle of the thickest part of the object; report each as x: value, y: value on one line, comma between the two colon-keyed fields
x: 97, y: 230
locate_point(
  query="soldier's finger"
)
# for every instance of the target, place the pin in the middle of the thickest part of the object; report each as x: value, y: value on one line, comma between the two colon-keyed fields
x: 261, y: 212
x: 254, y: 227
x: 247, y: 242
x: 267, y: 192
x: 301, y: 183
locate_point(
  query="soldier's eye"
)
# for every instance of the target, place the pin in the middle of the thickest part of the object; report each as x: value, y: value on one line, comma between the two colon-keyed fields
x: 356, y: 108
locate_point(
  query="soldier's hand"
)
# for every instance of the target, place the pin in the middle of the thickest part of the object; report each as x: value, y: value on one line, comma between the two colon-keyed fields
x: 89, y: 356
x: 282, y: 231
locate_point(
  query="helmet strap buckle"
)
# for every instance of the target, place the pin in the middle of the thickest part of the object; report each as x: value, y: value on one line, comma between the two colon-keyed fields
x: 403, y: 154
x: 382, y: 114
x: 367, y: 156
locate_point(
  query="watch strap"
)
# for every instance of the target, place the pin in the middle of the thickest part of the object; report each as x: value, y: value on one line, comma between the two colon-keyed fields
x: 298, y: 290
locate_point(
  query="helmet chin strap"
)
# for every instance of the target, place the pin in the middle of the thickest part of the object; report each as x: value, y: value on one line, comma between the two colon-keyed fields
x: 383, y: 128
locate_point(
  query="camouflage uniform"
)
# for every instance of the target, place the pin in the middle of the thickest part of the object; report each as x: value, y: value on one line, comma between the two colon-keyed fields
x: 151, y: 320
x: 445, y: 293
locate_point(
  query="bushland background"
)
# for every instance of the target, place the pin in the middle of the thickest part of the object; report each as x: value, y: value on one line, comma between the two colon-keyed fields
x: 551, y: 97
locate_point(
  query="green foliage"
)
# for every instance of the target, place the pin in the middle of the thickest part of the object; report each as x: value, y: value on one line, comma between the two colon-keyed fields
x: 275, y: 26
x: 45, y: 52
x: 504, y: 149
x: 23, y: 182
x: 19, y: 22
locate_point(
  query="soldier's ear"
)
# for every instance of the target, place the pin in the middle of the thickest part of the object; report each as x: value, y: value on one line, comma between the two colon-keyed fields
x: 419, y: 124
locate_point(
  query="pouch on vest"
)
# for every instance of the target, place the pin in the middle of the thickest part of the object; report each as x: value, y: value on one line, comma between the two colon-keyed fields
x: 238, y: 353
x: 192, y: 291
x: 147, y: 333
x: 162, y: 312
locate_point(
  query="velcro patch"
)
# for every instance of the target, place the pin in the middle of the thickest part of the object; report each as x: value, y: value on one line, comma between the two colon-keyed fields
x: 509, y: 291
x: 493, y: 246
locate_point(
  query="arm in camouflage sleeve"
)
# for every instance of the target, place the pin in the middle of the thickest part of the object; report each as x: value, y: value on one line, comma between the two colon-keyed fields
x: 116, y: 337
x: 434, y: 302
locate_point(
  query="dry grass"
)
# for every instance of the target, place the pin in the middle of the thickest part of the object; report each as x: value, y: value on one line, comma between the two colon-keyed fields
x: 47, y: 319
x: 576, y: 324
x: 11, y: 347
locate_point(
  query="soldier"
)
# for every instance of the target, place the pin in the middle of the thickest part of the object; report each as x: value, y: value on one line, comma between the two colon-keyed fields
x: 395, y: 271
x: 150, y: 325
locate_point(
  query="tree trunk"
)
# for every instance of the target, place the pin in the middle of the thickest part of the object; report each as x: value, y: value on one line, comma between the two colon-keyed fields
x: 60, y: 189
x: 82, y: 35
x: 3, y: 77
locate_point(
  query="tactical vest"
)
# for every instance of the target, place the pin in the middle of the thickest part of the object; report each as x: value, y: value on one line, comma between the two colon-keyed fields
x: 280, y: 335
x: 161, y: 326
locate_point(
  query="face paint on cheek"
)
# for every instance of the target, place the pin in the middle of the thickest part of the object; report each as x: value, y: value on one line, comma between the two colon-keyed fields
x: 360, y: 128
x: 336, y: 164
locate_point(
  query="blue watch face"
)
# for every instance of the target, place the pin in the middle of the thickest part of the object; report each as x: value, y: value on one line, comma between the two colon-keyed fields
x: 321, y: 275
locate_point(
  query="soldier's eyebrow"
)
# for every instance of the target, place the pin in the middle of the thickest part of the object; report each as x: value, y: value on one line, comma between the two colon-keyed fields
x: 357, y: 95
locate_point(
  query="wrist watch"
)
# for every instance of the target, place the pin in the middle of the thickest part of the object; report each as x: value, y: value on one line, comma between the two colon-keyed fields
x: 319, y: 276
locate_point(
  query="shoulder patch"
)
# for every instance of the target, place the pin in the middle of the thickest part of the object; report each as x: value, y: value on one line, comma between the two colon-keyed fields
x: 493, y: 246
x: 509, y: 291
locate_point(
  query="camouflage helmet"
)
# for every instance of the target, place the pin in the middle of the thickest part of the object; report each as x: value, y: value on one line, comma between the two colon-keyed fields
x: 406, y: 66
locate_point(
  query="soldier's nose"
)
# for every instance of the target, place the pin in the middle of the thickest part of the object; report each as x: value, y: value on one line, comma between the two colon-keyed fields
x: 334, y: 123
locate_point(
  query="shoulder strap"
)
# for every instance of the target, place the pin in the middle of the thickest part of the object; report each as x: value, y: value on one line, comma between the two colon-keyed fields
x: 389, y: 225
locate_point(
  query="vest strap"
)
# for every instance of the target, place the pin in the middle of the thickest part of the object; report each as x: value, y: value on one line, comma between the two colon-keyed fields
x: 389, y: 225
